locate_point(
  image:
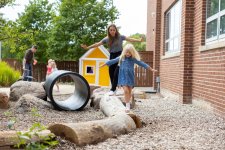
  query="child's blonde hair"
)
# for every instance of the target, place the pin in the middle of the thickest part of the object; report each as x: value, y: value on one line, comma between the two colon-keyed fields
x: 49, y: 61
x: 54, y: 64
x: 132, y: 50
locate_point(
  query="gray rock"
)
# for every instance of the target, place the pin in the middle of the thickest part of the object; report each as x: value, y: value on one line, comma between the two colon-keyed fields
x: 28, y: 102
x: 20, y: 88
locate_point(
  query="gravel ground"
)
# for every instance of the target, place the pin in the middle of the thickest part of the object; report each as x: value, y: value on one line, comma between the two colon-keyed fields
x: 168, y: 125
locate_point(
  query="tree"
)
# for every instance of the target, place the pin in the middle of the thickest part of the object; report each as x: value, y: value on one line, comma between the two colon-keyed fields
x: 79, y: 21
x: 2, y: 24
x: 9, y: 37
x: 138, y: 46
x: 32, y: 27
x: 3, y: 3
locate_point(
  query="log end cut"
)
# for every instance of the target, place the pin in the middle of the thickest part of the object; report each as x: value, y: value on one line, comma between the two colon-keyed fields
x: 136, y: 120
x: 80, y: 133
x: 63, y: 130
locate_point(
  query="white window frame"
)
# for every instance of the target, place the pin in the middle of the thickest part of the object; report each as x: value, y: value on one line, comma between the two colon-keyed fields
x: 175, y: 36
x: 86, y: 73
x: 219, y: 37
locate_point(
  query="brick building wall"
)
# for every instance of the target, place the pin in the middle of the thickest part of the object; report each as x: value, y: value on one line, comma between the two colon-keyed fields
x: 168, y: 67
x: 186, y: 51
x: 197, y: 73
x: 208, y: 66
x: 151, y: 23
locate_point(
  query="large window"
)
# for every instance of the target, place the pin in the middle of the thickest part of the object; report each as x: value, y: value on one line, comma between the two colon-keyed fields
x: 215, y: 22
x: 172, y: 28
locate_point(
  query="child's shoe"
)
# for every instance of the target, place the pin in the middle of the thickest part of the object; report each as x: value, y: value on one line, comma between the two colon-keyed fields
x: 127, y: 110
x: 119, y: 92
x: 110, y: 93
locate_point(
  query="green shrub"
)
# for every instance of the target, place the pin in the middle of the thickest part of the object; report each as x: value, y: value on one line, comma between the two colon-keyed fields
x: 8, y: 75
x: 26, y: 142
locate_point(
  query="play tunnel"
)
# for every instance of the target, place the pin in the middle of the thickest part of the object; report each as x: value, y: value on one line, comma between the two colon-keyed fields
x: 77, y: 100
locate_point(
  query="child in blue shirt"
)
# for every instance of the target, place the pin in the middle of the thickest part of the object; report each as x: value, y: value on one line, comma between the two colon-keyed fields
x: 126, y: 61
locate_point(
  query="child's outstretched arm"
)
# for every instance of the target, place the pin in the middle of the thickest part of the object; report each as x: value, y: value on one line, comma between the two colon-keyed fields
x: 153, y: 70
x: 146, y: 66
x: 102, y: 65
x: 112, y: 61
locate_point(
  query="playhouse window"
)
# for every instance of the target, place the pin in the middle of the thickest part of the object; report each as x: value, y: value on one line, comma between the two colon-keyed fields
x: 215, y: 22
x: 172, y: 28
x: 89, y: 69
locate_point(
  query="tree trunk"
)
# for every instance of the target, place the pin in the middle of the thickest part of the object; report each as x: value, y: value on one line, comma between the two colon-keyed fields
x: 92, y: 132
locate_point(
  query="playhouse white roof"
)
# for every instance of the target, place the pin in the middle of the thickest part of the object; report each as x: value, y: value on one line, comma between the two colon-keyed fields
x: 102, y: 48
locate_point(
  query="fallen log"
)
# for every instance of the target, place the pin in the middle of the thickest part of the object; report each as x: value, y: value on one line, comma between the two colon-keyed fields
x: 10, y: 138
x: 92, y: 132
x: 112, y: 105
x: 100, y: 92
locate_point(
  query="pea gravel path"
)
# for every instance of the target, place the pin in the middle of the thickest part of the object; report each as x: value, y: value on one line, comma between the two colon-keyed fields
x: 168, y: 125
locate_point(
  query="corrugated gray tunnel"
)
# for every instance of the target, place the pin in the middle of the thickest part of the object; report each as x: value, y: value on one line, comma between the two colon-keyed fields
x: 78, y: 100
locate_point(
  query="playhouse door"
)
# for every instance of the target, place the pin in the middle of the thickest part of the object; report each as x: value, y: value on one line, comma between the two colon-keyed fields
x: 103, y: 79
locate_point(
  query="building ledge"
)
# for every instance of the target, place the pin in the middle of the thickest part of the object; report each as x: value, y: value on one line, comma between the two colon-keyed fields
x: 171, y: 55
x: 211, y: 46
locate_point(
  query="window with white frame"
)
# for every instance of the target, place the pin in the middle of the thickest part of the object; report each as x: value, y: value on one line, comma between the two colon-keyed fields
x: 215, y: 22
x: 173, y: 28
x: 90, y: 70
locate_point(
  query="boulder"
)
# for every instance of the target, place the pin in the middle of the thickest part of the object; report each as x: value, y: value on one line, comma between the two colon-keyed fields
x: 20, y: 88
x: 27, y: 102
x: 4, y: 100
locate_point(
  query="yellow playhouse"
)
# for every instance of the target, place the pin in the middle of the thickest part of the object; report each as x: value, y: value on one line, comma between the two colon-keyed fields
x: 89, y: 66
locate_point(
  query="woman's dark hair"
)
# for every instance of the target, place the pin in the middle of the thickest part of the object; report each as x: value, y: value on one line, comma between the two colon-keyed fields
x: 113, y: 39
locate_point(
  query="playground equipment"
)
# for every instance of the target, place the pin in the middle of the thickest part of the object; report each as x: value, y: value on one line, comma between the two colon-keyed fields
x: 78, y: 100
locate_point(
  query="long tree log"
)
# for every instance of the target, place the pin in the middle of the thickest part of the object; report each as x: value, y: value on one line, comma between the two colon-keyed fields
x: 9, y: 138
x: 112, y: 105
x: 118, y: 122
x: 100, y: 92
x: 94, y: 131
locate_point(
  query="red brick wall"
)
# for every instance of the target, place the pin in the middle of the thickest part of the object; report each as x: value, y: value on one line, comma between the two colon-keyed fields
x: 172, y: 74
x: 194, y: 74
x: 169, y: 74
x: 169, y: 67
x: 151, y: 23
x: 208, y: 66
x: 156, y: 58
x: 186, y: 52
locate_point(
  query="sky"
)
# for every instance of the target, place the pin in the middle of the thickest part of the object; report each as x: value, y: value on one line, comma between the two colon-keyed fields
x: 132, y: 18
